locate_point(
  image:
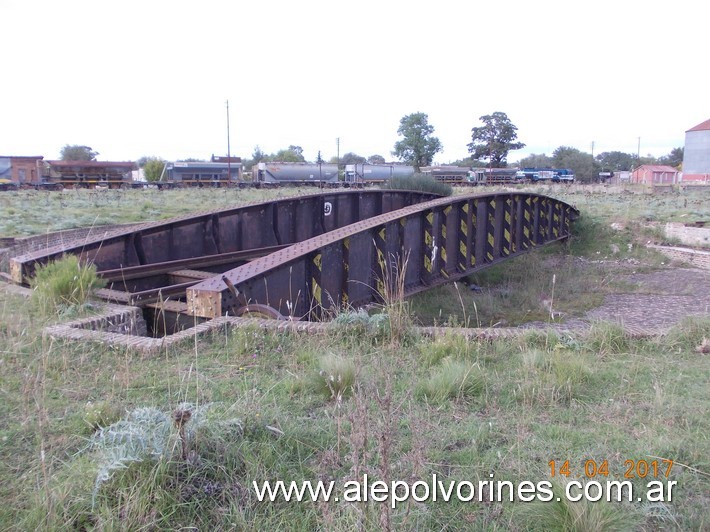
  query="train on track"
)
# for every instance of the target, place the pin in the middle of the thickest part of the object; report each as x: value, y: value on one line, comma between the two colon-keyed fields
x: 228, y: 172
x: 556, y: 175
x: 365, y: 174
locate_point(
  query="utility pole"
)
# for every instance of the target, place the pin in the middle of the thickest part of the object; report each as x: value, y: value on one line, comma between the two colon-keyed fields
x: 229, y: 153
x: 337, y: 143
x: 638, y: 153
x: 592, y: 176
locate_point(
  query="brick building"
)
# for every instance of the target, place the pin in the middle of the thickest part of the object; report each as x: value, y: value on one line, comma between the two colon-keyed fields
x: 20, y: 170
x: 655, y: 174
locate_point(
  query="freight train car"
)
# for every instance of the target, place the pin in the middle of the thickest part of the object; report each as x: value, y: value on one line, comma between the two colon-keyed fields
x: 454, y: 175
x: 376, y: 173
x: 220, y: 172
x: 87, y: 174
x: 295, y: 173
x: 555, y: 175
x: 494, y: 176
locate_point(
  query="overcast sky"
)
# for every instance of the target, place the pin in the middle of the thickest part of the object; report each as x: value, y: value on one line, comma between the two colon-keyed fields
x: 151, y: 77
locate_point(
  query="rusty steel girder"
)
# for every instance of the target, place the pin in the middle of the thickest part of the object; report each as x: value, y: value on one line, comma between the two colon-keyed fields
x: 250, y: 227
x: 410, y: 249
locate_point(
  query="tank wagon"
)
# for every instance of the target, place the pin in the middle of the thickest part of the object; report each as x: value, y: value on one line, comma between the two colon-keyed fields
x: 376, y: 173
x: 295, y: 173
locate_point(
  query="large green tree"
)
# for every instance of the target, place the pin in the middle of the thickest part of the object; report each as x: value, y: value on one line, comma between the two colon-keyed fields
x: 152, y: 168
x: 470, y: 162
x: 417, y: 146
x: 674, y: 158
x: 352, y: 158
x: 75, y: 152
x: 376, y: 159
x: 257, y: 155
x: 293, y: 154
x: 584, y: 167
x: 535, y: 160
x: 494, y: 139
x: 615, y: 161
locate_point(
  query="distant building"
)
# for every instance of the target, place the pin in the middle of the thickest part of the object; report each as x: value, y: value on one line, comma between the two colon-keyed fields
x: 696, y: 155
x: 20, y: 170
x: 655, y: 174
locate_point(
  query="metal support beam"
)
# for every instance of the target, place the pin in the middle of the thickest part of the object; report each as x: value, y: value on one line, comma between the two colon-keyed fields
x: 353, y: 265
x: 249, y: 227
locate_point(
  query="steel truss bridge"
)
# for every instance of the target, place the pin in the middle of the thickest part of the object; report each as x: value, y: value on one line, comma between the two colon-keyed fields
x: 304, y: 257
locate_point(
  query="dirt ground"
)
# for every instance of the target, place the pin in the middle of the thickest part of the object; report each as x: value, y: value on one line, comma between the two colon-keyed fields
x: 658, y: 300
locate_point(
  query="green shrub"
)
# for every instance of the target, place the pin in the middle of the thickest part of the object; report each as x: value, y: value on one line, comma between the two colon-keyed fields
x: 100, y: 414
x: 454, y: 379
x: 552, y: 377
x: 563, y: 515
x: 448, y: 347
x: 149, y: 435
x: 688, y: 334
x: 359, y: 322
x: 420, y: 182
x: 335, y: 377
x: 64, y: 283
x: 605, y: 338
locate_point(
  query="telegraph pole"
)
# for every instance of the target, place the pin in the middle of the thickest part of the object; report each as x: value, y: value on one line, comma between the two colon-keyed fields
x: 337, y: 143
x: 592, y: 176
x: 229, y: 153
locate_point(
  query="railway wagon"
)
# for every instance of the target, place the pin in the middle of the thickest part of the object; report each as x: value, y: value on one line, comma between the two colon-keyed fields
x: 295, y: 173
x: 376, y: 173
x: 556, y: 175
x: 494, y: 176
x: 216, y: 173
x: 87, y: 174
x: 448, y: 173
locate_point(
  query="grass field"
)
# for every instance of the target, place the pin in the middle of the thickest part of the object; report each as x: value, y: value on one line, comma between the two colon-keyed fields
x: 30, y: 212
x: 94, y: 437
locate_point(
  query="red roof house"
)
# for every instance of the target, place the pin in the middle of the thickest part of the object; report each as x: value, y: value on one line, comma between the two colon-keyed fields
x: 655, y: 174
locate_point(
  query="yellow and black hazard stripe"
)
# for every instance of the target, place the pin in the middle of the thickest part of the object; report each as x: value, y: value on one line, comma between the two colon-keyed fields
x: 316, y: 276
x: 474, y: 216
x: 380, y: 246
x: 464, y: 247
x: 443, y: 232
x: 508, y: 246
x: 541, y: 220
x: 490, y: 230
x: 556, y: 219
x: 429, y: 242
x: 527, y: 223
x: 346, y: 269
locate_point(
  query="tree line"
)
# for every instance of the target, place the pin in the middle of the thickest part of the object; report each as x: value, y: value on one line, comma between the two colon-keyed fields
x: 491, y: 142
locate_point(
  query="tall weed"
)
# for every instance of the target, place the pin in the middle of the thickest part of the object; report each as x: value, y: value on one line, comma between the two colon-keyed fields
x: 62, y: 284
